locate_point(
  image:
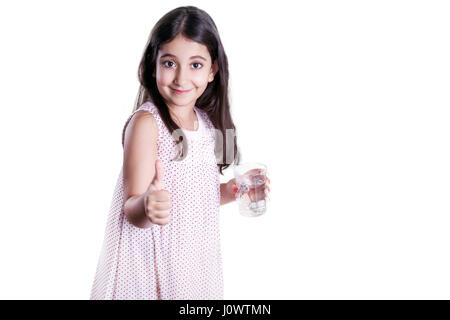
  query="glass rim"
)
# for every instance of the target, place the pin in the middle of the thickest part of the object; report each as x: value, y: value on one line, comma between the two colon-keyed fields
x: 250, y: 165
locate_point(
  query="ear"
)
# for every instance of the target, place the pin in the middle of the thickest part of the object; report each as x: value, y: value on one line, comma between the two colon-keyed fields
x: 214, y: 69
x: 154, y: 75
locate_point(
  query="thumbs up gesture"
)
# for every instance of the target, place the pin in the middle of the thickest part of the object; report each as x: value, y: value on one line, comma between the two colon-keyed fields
x: 157, y: 201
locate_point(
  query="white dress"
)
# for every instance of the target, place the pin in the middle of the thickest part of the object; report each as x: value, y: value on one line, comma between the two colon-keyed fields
x: 180, y: 260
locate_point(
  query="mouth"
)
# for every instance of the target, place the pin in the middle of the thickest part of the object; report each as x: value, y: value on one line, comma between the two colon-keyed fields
x: 180, y: 91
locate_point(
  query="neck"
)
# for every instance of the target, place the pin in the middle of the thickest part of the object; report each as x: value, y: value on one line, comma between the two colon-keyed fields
x: 182, y: 113
x: 184, y: 116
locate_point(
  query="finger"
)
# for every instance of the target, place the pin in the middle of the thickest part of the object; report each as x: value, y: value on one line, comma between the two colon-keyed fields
x: 161, y: 222
x: 161, y: 214
x: 253, y: 195
x: 236, y: 187
x: 161, y: 196
x: 162, y: 206
x: 253, y: 171
x: 159, y: 170
x: 156, y: 183
x: 267, y: 195
x: 155, y: 208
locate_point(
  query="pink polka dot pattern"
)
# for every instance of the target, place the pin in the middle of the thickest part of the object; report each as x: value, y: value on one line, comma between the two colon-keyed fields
x: 180, y: 260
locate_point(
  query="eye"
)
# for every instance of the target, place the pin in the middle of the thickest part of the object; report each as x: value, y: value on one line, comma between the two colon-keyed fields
x: 197, y: 63
x: 165, y: 63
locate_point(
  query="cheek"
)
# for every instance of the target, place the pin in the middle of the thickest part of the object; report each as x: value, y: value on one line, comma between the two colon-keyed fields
x: 163, y: 77
x: 200, y: 79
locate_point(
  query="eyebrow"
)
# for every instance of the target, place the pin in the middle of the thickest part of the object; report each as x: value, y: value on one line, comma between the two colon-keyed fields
x: 173, y: 56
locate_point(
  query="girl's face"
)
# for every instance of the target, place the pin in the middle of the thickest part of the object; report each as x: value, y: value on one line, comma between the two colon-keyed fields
x: 183, y: 71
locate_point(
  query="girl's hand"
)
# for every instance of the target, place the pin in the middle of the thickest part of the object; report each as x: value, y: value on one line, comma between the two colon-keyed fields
x: 267, y: 187
x: 231, y: 189
x: 232, y: 185
x: 157, y: 201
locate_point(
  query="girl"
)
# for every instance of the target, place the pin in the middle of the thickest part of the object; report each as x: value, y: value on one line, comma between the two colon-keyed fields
x: 162, y: 235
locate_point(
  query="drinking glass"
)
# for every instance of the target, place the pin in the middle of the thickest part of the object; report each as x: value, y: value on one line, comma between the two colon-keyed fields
x: 251, y: 181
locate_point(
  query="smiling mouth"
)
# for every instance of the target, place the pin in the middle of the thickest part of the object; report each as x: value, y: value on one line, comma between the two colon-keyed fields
x: 180, y: 91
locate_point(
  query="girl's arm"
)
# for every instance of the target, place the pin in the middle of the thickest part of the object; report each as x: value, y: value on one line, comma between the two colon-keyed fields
x: 140, y: 154
x: 227, y: 192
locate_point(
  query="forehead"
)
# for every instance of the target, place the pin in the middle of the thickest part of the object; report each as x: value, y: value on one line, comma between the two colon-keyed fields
x: 183, y: 48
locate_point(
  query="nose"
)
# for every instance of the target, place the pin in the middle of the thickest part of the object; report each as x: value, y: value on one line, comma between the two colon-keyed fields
x: 181, y: 76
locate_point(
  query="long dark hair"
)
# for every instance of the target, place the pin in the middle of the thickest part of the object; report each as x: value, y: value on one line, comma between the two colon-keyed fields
x: 194, y: 24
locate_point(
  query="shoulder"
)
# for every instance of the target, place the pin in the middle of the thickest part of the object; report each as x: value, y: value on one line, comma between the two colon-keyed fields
x: 205, y: 117
x: 142, y: 125
x: 144, y: 119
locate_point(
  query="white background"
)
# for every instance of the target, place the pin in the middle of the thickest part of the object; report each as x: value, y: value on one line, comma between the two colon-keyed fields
x: 346, y: 102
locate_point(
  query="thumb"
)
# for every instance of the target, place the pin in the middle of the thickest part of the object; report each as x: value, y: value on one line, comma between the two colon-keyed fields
x: 158, y: 178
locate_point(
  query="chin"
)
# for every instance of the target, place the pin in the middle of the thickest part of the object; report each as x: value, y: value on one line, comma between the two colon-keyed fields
x: 185, y: 97
x: 179, y: 102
